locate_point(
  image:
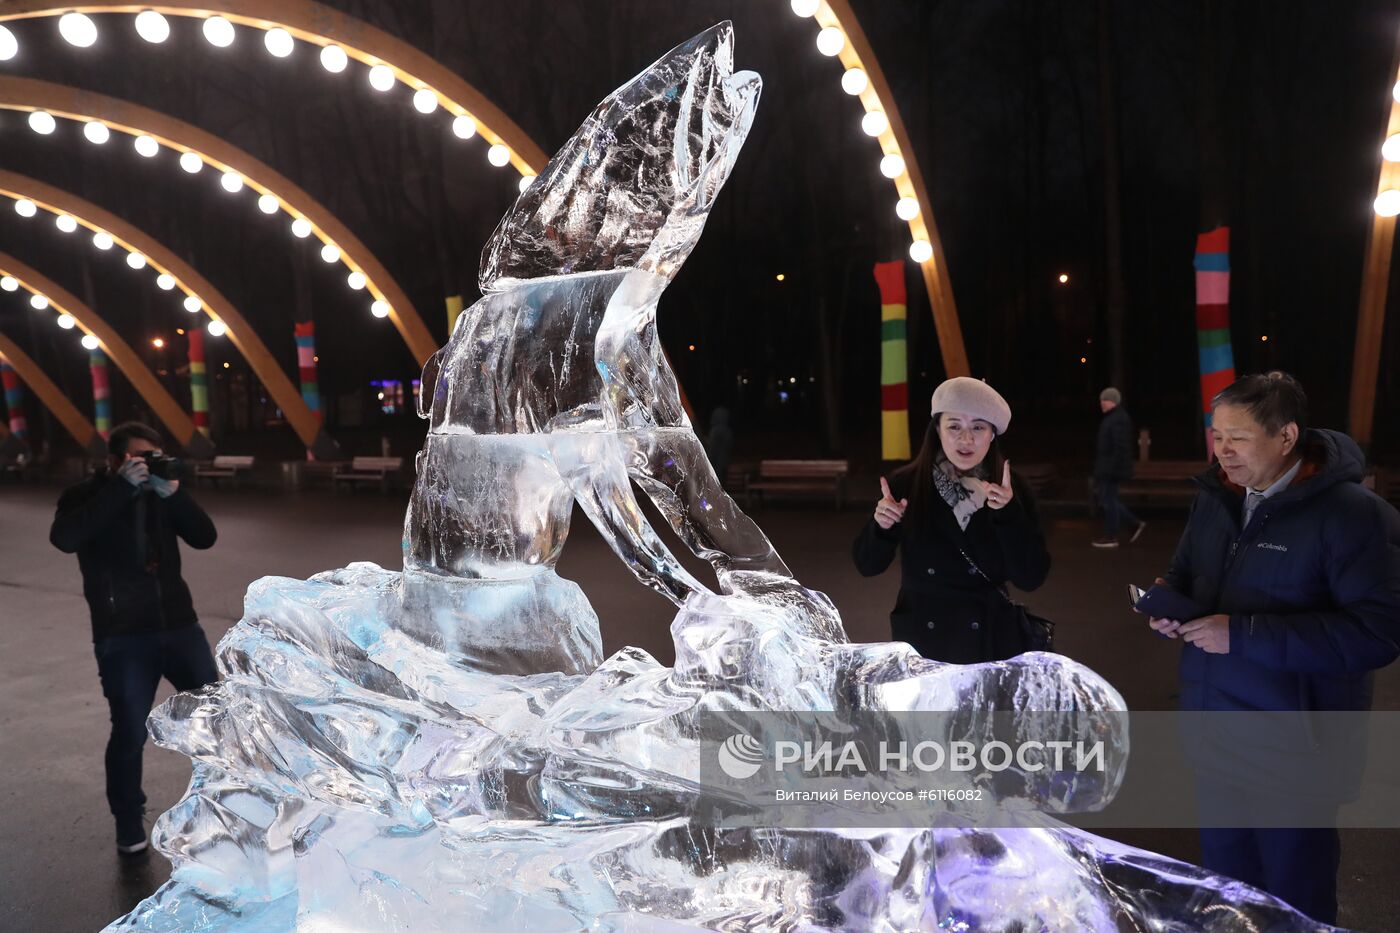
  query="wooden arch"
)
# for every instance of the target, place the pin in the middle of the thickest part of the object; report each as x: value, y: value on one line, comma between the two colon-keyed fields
x: 301, y: 418
x: 175, y: 418
x: 28, y: 95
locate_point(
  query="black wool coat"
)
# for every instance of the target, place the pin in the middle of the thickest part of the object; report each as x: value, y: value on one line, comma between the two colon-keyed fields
x: 126, y: 542
x: 946, y: 610
x: 1113, y: 450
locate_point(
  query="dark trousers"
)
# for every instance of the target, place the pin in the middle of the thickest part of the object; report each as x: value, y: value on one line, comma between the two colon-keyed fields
x: 131, y: 667
x: 1298, y: 866
x: 1115, y: 513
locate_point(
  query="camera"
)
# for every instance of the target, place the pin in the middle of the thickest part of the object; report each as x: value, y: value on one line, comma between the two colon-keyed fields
x: 164, y: 467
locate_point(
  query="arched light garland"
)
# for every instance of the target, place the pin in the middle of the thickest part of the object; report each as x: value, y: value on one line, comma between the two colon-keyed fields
x: 338, y: 38
x: 841, y: 37
x: 152, y: 132
x: 109, y: 233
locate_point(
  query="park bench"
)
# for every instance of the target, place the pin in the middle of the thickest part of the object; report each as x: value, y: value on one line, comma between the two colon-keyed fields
x: 799, y: 476
x: 381, y: 470
x: 1386, y: 483
x: 1162, y: 481
x: 230, y: 468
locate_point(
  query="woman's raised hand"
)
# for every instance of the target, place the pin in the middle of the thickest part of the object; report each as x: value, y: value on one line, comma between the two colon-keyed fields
x: 888, y: 512
x: 998, y: 495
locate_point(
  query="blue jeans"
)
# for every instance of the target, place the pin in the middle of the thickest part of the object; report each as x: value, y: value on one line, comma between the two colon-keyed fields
x: 1114, y: 511
x: 131, y: 667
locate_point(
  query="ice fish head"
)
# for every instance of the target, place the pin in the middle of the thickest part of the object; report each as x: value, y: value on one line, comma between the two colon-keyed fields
x: 632, y: 188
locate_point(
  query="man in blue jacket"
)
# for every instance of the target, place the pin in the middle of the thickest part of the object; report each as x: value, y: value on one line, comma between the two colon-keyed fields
x: 1299, y: 567
x: 123, y: 523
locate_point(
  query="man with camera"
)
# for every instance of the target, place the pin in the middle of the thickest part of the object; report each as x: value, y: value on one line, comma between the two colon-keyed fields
x: 124, y: 523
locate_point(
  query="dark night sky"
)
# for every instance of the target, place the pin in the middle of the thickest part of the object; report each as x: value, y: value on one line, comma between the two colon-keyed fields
x: 1001, y: 98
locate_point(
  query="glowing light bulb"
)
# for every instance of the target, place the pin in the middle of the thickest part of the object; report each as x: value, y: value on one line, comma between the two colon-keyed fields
x: 65, y: 223
x: 26, y: 208
x: 66, y: 321
x: 301, y: 227
x: 464, y: 127
x: 334, y: 59
x: 805, y: 8
x: 192, y: 304
x: 380, y: 308
x: 152, y: 27
x: 146, y: 146
x: 9, y: 283
x: 77, y: 29
x: 381, y: 77
x: 874, y: 123
x: 1390, y: 150
x: 424, y: 100
x: 892, y: 165
x: 218, y: 31
x: 330, y: 253
x: 232, y: 182
x: 217, y: 329
x: 854, y: 81
x: 921, y: 251
x: 1388, y: 203
x: 38, y: 302
x: 498, y: 155
x: 90, y: 342
x: 907, y: 208
x: 191, y: 162
x: 42, y: 122
x: 356, y: 280
x: 96, y: 133
x: 830, y: 41
x: 136, y: 260
x: 102, y: 240
x: 9, y: 46
x: 165, y: 281
x: 525, y: 181
x: 279, y: 42
x: 267, y: 204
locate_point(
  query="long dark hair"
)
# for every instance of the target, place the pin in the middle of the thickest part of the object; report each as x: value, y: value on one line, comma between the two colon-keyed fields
x: 919, y: 471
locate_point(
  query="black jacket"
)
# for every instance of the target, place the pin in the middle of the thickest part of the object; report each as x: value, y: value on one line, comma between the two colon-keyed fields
x: 945, y: 610
x: 125, y: 539
x: 1312, y: 587
x: 1113, y: 452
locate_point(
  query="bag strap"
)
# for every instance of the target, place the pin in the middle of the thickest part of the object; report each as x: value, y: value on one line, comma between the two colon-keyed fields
x: 973, y: 564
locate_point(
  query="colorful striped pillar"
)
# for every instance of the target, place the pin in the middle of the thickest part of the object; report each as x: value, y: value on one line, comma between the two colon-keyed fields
x: 894, y: 362
x: 1213, y: 319
x: 14, y: 400
x: 306, y: 364
x: 101, y: 392
x: 199, y: 382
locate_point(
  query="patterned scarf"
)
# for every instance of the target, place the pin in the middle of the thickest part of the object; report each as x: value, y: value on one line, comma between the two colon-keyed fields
x: 963, y: 496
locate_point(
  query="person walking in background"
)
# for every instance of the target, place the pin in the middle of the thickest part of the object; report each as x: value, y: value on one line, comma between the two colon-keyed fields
x: 719, y: 442
x: 1113, y: 464
x: 965, y: 525
x: 123, y: 522
x: 1298, y: 566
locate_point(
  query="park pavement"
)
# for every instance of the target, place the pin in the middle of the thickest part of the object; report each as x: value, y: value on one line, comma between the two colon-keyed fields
x: 58, y: 867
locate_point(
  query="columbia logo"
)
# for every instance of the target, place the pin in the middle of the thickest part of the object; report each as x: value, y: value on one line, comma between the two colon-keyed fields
x: 1272, y: 547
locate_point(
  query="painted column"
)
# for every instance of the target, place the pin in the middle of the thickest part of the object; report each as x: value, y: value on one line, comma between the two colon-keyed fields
x: 199, y: 382
x: 101, y: 392
x: 305, y: 334
x: 1217, y: 357
x: 14, y: 400
x: 894, y: 361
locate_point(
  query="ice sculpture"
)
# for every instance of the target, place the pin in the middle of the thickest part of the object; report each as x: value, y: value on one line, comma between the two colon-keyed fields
x: 444, y: 748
